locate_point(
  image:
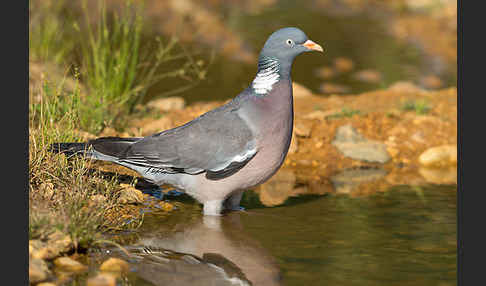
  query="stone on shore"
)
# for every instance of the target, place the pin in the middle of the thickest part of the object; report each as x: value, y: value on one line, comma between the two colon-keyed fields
x: 130, y: 195
x: 113, y: 264
x: 356, y: 146
x: 38, y: 270
x: 69, y: 264
x: 167, y: 104
x: 445, y: 155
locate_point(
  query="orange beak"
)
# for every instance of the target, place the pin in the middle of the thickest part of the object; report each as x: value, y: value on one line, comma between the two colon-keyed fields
x: 312, y: 46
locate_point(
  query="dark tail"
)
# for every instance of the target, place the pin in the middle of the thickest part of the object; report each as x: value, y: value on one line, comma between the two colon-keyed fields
x: 69, y: 148
x: 111, y: 146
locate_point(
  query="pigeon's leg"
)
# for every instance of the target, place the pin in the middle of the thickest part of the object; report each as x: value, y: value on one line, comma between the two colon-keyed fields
x: 213, y: 207
x: 233, y: 201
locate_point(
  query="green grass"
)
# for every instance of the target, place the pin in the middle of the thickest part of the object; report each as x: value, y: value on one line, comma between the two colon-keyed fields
x: 61, y: 188
x: 112, y: 64
x: 50, y: 35
x: 117, y: 62
x: 420, y: 107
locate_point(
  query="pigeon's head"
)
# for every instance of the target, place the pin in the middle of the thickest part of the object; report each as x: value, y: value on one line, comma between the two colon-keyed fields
x: 286, y: 43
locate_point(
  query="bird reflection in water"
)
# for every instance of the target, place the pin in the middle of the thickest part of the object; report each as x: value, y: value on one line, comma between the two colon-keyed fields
x: 210, y: 251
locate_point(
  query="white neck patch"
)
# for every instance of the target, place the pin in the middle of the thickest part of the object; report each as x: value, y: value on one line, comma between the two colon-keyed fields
x: 267, y: 75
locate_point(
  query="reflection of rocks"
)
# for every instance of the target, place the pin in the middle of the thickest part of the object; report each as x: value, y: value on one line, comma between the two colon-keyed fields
x: 102, y: 279
x: 346, y: 181
x: 209, y: 251
x: 446, y: 175
x: 354, y: 145
x: 276, y: 190
x: 444, y: 155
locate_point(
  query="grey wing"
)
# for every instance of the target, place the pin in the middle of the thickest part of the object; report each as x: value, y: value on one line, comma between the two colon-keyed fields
x: 219, y: 143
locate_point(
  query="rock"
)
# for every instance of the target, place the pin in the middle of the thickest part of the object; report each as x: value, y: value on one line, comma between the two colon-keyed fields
x: 300, y: 90
x: 102, y: 279
x: 130, y: 195
x: 302, y: 130
x: 167, y: 104
x: 57, y: 243
x: 343, y: 64
x: 346, y: 181
x: 445, y: 155
x: 440, y: 176
x: 276, y: 190
x: 405, y: 87
x: 294, y: 145
x: 431, y: 82
x: 38, y: 270
x: 46, y: 284
x: 325, y: 72
x: 69, y: 264
x: 369, y: 76
x: 113, y: 264
x: 333, y: 88
x: 355, y: 146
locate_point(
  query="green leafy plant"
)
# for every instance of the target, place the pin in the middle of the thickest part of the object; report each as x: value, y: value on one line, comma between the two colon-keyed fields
x: 118, y: 70
x: 419, y: 106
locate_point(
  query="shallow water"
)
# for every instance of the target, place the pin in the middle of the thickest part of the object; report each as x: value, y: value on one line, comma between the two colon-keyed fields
x: 363, y: 38
x: 403, y: 236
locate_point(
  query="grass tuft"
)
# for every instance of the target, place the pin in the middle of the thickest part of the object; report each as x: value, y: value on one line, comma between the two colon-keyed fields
x: 420, y: 107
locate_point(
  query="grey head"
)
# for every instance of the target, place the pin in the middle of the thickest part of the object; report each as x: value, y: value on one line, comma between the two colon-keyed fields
x: 284, y: 45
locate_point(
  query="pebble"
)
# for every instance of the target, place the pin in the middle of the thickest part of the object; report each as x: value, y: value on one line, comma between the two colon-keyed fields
x: 444, y: 155
x: 113, y: 264
x: 69, y: 264
x: 130, y: 195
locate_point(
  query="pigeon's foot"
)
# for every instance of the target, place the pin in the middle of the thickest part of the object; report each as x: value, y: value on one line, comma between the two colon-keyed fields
x: 213, y: 207
x: 232, y: 203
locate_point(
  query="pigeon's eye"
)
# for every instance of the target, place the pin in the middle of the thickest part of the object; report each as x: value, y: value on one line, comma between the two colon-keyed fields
x: 290, y: 42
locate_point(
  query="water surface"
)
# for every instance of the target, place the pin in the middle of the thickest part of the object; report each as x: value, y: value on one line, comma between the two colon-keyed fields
x: 362, y: 38
x: 403, y: 236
